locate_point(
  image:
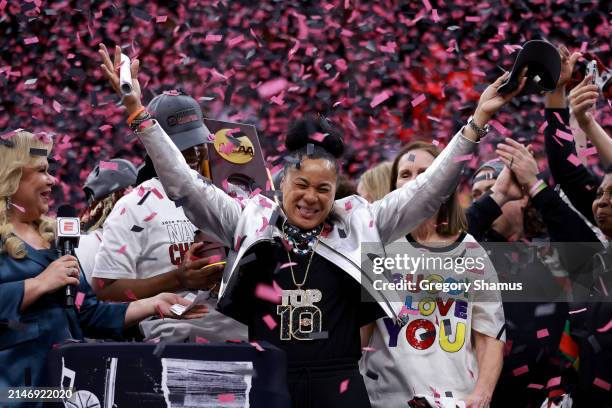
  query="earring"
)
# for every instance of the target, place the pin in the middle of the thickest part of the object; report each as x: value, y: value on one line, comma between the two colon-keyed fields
x: 8, y: 203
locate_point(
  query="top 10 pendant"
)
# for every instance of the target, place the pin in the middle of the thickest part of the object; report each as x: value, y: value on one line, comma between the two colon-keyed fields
x: 299, y: 316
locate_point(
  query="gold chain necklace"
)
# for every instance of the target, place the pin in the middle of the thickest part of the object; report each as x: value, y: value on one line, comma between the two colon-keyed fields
x: 314, y: 247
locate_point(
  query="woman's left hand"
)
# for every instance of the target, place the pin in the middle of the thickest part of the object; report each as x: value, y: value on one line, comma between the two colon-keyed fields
x: 161, y: 304
x: 520, y: 161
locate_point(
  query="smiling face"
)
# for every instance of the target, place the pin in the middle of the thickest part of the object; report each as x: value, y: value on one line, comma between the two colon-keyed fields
x: 413, y: 163
x: 34, y: 191
x: 602, y: 206
x: 308, y: 192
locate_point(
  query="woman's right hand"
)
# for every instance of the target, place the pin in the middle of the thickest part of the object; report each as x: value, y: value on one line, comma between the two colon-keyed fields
x: 111, y: 70
x: 582, y: 99
x: 61, y: 272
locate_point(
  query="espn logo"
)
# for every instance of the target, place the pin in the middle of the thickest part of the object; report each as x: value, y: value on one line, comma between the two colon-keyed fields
x: 68, y: 227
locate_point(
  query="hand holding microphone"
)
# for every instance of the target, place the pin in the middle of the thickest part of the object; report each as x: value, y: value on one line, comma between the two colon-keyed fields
x: 68, y: 234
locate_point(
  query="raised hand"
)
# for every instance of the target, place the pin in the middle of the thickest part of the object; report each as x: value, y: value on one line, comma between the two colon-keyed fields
x: 111, y: 70
x: 582, y: 99
x: 519, y: 160
x: 567, y: 66
x: 490, y: 101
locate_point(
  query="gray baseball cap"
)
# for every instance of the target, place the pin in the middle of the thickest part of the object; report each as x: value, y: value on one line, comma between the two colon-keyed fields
x: 181, y: 118
x: 496, y: 165
x: 104, y: 181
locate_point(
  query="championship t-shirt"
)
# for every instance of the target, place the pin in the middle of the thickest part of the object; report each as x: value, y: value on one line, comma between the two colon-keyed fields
x: 146, y: 235
x: 430, y: 352
x: 316, y: 323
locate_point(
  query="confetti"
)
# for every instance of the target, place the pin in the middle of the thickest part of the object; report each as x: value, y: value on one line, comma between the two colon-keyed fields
x: 564, y: 135
x: 129, y: 293
x: 598, y: 382
x: 201, y: 340
x: 605, y: 328
x: 150, y: 216
x: 256, y: 345
x: 380, y: 98
x: 553, y: 382
x: 226, y: 398
x: 267, y: 293
x: 463, y: 158
x: 344, y: 386
x: 536, y: 386
x: 542, y: 333
x: 122, y: 249
x: 418, y: 100
x: 136, y: 228
x: 30, y: 40
x: 78, y: 300
x: 520, y: 370
x: 574, y: 160
x: 269, y: 321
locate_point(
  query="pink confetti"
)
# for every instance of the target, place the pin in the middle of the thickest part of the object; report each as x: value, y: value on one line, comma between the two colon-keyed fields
x: 150, y: 217
x: 30, y: 40
x: 558, y: 117
x: 380, y: 98
x: 267, y: 293
x: 212, y: 38
x: 287, y: 264
x: 269, y: 321
x: 418, y: 100
x: 264, y: 202
x: 256, y: 345
x: 368, y: 349
x: 348, y: 206
x: 435, y: 16
x: 226, y: 398
x: 235, y: 41
x: 160, y: 313
x: 157, y: 193
x: 161, y: 19
x: 122, y: 249
x: 201, y: 340
x: 264, y: 224
x: 583, y: 47
x: 427, y: 5
x: 214, y: 259
x: 536, y: 386
x: 225, y: 185
x: 108, y: 165
x: 57, y: 106
x: 602, y: 384
x: 588, y: 152
x: 605, y: 328
x: 344, y: 386
x: 273, y: 87
x: 520, y: 371
x: 123, y: 210
x: 472, y: 19
x: 239, y: 241
x: 78, y: 300
x: 574, y: 160
x: 371, y: 225
x: 463, y: 158
x: 542, y: 333
x: 104, y: 128
x: 553, y: 382
x: 318, y: 136
x: 564, y: 135
x: 18, y: 207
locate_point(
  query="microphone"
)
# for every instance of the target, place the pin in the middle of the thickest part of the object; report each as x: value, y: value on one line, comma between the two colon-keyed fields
x: 68, y: 234
x: 125, y: 76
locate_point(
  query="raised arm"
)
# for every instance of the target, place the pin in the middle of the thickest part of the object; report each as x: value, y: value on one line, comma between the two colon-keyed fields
x: 402, y: 210
x: 207, y: 206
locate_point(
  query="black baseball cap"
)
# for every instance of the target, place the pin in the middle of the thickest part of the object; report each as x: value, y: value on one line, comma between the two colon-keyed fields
x: 104, y: 181
x: 543, y: 68
x: 181, y: 118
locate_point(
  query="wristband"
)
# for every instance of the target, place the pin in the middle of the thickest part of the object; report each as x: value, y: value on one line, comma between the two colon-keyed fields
x: 536, y: 187
x: 134, y: 115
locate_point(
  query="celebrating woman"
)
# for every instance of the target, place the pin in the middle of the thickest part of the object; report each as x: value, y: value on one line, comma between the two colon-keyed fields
x: 304, y: 253
x: 33, y: 317
x: 465, y: 324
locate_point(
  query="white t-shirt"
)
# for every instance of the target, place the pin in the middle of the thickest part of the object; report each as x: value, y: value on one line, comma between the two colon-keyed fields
x: 87, y: 250
x: 146, y: 235
x: 432, y: 354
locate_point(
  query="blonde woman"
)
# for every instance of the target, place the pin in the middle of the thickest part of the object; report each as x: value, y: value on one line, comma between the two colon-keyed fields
x: 33, y: 317
x: 374, y: 183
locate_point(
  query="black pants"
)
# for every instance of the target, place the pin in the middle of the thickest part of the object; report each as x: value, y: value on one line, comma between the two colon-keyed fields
x: 317, y: 385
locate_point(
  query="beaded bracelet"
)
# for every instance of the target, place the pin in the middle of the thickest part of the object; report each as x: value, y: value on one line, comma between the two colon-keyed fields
x: 536, y: 187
